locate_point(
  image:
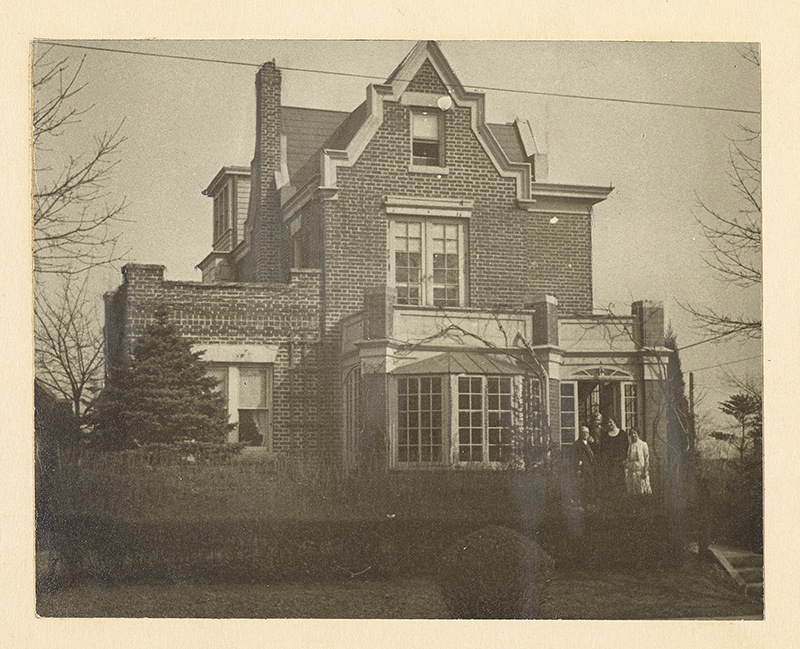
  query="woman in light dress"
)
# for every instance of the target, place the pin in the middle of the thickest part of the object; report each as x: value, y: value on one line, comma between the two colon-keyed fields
x: 637, y: 467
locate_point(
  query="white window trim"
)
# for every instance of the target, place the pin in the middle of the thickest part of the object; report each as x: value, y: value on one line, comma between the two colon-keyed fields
x: 450, y: 441
x: 516, y: 414
x: 424, y: 168
x: 427, y: 256
x: 232, y: 399
x: 623, y: 409
x: 574, y: 410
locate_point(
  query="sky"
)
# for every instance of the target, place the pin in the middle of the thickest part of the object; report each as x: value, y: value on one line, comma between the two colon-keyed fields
x: 184, y: 119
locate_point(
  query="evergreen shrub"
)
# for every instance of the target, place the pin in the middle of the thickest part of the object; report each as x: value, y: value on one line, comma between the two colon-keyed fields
x: 495, y: 573
x: 162, y: 395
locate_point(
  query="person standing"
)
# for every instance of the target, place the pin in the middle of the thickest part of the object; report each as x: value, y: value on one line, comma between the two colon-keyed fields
x: 585, y: 465
x: 596, y: 431
x: 614, y: 450
x: 637, y: 466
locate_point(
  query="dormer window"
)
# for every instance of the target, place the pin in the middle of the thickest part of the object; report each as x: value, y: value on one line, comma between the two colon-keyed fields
x: 222, y: 212
x: 426, y: 138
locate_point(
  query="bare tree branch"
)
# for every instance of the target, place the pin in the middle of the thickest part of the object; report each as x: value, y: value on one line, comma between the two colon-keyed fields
x: 68, y: 341
x: 734, y: 239
x: 73, y: 207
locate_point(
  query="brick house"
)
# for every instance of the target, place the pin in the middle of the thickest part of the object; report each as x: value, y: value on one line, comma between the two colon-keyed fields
x: 400, y: 286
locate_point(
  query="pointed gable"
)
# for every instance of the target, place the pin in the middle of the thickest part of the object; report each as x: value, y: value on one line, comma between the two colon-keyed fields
x: 427, y: 80
x: 424, y: 71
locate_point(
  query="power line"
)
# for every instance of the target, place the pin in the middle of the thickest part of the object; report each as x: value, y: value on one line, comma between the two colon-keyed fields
x: 702, y: 342
x: 154, y: 54
x: 540, y: 93
x: 711, y: 367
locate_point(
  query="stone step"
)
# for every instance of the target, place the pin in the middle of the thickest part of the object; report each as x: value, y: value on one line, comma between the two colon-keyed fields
x: 746, y: 560
x: 746, y: 568
x: 754, y: 591
x: 752, y: 575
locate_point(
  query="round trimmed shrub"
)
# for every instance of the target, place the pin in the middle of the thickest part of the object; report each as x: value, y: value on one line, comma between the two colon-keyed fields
x: 495, y: 573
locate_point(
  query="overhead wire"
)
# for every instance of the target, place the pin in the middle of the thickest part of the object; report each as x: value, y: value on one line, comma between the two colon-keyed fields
x: 490, y: 88
x: 374, y: 77
x: 711, y: 367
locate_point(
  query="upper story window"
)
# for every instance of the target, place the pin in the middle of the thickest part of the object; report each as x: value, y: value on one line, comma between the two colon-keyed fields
x: 300, y: 256
x: 222, y: 212
x: 427, y: 262
x: 426, y: 138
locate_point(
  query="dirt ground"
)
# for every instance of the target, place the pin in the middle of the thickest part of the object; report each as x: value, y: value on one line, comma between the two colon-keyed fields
x: 695, y: 591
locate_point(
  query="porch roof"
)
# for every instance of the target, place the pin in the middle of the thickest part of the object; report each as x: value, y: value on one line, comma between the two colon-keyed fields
x: 462, y: 363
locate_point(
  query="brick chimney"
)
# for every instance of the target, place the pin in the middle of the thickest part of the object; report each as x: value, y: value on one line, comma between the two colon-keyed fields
x: 648, y: 328
x: 266, y: 236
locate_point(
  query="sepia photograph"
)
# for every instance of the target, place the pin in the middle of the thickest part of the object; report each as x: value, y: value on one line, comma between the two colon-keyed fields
x: 381, y: 329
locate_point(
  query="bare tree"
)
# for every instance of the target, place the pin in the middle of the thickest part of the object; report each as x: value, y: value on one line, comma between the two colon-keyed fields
x: 73, y: 208
x: 734, y: 238
x: 69, y: 342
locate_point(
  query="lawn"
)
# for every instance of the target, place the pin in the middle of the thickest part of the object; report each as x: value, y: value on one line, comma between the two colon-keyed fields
x: 696, y: 590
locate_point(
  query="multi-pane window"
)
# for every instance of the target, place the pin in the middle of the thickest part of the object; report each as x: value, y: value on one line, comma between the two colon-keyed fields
x: 222, y: 212
x: 485, y: 418
x: 427, y: 262
x: 500, y: 414
x: 426, y: 141
x: 408, y: 261
x: 631, y: 406
x: 419, y: 415
x: 445, y: 264
x: 532, y: 413
x: 569, y: 413
x: 470, y: 419
x: 463, y: 419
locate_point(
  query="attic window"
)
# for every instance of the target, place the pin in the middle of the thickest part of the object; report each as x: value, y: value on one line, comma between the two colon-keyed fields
x: 426, y: 138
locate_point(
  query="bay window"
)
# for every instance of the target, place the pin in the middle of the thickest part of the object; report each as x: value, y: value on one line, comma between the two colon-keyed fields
x: 464, y: 420
x: 419, y: 415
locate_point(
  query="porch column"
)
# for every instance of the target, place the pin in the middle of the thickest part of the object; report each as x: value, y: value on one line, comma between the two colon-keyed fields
x: 545, y: 319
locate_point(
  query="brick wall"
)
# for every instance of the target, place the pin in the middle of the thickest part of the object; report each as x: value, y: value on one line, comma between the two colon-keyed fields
x: 512, y: 253
x: 287, y: 315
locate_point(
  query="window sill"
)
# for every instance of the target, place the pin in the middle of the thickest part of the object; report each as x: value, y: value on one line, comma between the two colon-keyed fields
x: 425, y: 169
x: 458, y: 467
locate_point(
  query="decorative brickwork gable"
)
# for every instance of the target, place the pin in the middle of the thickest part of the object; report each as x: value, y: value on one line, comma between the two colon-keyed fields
x: 427, y: 80
x: 512, y: 253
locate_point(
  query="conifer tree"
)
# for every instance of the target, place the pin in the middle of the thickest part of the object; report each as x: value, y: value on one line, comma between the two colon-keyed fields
x: 164, y: 395
x: 678, y: 410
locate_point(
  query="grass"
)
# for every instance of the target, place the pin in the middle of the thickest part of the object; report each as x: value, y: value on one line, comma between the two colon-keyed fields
x: 696, y: 590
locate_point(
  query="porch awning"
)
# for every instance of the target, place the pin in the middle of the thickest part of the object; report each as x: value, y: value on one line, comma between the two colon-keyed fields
x: 464, y: 363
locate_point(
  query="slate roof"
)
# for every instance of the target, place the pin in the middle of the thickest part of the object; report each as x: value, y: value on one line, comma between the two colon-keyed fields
x: 508, y: 139
x: 462, y: 363
x: 310, y: 130
x: 306, y: 130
